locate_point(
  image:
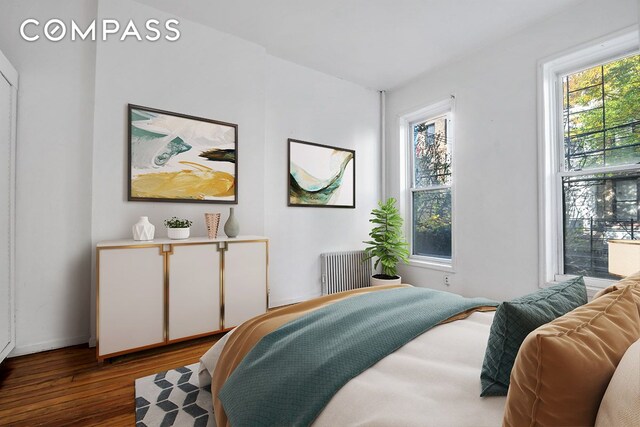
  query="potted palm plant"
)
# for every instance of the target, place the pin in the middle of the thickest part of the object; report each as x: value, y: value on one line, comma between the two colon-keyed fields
x: 177, y: 228
x: 387, y: 243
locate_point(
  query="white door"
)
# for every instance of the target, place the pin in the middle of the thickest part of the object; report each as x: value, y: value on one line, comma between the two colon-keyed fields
x: 194, y: 290
x: 245, y: 281
x: 7, y: 205
x: 130, y: 299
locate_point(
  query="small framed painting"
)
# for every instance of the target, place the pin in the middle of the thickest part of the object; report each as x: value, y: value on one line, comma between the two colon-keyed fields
x: 178, y: 158
x: 321, y: 176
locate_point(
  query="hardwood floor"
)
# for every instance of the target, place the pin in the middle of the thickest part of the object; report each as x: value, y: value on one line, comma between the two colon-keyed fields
x: 69, y: 387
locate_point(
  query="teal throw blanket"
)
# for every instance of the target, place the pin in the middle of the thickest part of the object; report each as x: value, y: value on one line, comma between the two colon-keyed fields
x: 291, y: 374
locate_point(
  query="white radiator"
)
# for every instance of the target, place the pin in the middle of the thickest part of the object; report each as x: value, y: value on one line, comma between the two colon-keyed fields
x: 342, y: 271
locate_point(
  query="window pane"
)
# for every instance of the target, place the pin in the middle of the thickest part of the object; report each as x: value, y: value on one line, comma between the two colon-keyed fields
x: 601, y: 115
x: 626, y: 190
x: 432, y: 223
x: 598, y: 208
x: 431, y: 153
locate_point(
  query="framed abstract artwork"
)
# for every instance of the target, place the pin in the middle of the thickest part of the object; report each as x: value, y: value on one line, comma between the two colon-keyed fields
x: 178, y: 158
x: 321, y: 175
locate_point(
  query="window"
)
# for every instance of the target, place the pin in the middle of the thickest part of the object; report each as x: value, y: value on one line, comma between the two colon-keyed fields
x: 592, y: 156
x: 429, y: 199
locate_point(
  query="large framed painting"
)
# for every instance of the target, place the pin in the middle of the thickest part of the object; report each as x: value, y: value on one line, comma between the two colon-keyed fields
x: 178, y: 158
x: 321, y: 175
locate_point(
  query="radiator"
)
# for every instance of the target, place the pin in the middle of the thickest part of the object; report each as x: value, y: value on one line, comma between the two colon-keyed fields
x: 342, y: 271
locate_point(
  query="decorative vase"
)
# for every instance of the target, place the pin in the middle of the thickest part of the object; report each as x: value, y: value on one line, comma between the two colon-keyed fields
x: 143, y: 229
x: 376, y: 281
x: 178, y: 233
x: 231, y: 227
x: 212, y: 220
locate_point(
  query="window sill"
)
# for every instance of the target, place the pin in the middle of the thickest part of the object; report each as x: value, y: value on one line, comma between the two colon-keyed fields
x: 593, y: 284
x: 432, y: 264
x: 590, y: 282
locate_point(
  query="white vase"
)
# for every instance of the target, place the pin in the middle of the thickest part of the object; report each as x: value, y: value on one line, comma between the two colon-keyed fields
x: 143, y: 229
x: 178, y: 233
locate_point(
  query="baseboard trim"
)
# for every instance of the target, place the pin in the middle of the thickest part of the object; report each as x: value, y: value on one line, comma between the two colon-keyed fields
x: 48, y: 345
x: 289, y: 301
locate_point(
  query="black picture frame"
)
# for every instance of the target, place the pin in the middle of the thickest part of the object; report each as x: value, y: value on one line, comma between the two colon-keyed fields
x: 298, y: 196
x: 222, y: 157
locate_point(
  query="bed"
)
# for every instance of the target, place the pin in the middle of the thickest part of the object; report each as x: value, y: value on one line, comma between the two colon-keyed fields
x: 431, y: 380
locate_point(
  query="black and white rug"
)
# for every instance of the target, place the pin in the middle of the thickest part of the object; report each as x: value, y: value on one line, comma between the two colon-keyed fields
x: 173, y: 398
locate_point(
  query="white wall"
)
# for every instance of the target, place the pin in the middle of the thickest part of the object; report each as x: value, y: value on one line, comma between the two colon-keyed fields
x: 311, y: 106
x: 207, y: 74
x: 72, y: 153
x: 226, y: 78
x: 55, y: 119
x: 496, y: 147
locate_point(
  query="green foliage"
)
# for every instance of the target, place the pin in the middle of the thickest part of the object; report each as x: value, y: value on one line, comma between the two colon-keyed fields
x: 602, y: 114
x: 432, y: 222
x: 176, y: 222
x: 387, y: 242
x: 432, y: 211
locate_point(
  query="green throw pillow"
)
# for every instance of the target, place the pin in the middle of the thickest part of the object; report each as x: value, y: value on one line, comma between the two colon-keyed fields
x: 514, y: 320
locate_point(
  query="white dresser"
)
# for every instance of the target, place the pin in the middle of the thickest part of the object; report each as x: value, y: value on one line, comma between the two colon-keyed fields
x: 162, y: 291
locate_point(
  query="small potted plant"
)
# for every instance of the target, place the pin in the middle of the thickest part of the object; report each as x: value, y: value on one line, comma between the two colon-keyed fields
x: 177, y: 228
x: 387, y: 243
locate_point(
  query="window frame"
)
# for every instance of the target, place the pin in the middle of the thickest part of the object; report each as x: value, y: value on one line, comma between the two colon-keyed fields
x: 430, y: 112
x: 551, y: 164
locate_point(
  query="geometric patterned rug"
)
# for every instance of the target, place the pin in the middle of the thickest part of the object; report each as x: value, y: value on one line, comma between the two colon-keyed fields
x: 173, y: 398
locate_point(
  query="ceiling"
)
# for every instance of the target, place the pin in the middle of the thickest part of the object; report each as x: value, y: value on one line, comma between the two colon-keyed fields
x: 379, y: 44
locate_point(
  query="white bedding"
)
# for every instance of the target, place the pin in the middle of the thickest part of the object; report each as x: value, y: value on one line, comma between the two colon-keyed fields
x: 432, y: 381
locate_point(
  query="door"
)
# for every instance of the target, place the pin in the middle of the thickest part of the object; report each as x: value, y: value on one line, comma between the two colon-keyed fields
x: 194, y: 290
x: 8, y: 80
x: 131, y: 299
x: 245, y: 281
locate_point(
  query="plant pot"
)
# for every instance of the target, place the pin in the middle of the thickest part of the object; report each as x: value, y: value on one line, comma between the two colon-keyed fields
x: 380, y: 279
x: 178, y: 233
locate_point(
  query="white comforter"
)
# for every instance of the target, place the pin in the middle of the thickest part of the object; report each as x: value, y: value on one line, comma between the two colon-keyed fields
x: 432, y: 381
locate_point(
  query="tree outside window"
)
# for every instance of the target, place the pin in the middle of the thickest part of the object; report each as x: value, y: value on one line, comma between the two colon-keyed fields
x: 431, y: 189
x: 601, y: 173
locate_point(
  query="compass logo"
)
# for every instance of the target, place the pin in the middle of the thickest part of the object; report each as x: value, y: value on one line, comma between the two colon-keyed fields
x: 55, y: 30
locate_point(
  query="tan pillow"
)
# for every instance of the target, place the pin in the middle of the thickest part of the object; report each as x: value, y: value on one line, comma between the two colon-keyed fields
x: 633, y: 279
x: 620, y: 405
x: 563, y: 368
x: 634, y: 282
x: 608, y: 289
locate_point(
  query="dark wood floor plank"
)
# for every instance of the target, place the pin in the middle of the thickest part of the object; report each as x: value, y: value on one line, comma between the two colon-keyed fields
x: 68, y: 387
